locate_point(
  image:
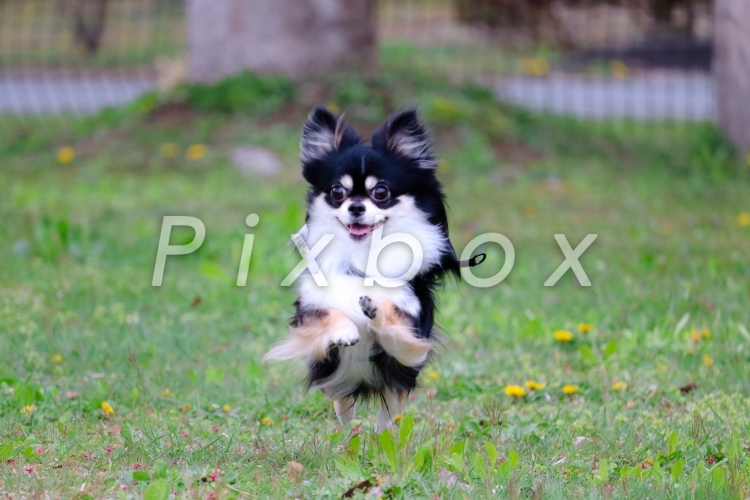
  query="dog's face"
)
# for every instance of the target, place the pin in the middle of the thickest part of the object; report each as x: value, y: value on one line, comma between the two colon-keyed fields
x: 361, y: 188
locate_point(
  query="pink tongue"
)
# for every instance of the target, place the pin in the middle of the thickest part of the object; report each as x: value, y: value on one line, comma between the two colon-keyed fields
x: 359, y: 229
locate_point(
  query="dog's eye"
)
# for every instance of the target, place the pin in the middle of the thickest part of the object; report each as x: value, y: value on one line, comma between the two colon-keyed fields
x: 338, y: 193
x: 380, y: 193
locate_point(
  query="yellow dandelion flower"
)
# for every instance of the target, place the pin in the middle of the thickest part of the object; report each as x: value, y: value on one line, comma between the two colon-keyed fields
x: 661, y: 368
x: 166, y: 393
x: 57, y: 358
x: 433, y: 375
x: 169, y: 150
x: 195, y: 152
x: 266, y: 421
x: 398, y: 417
x: 533, y: 385
x: 515, y: 391
x: 185, y: 407
x: 695, y: 336
x: 570, y: 389
x: 107, y: 408
x: 650, y: 461
x: 28, y: 410
x: 585, y: 327
x: 66, y: 155
x: 619, y: 68
x: 706, y: 333
x: 743, y: 220
x: 226, y: 408
x: 619, y: 386
x: 708, y: 361
x: 563, y: 336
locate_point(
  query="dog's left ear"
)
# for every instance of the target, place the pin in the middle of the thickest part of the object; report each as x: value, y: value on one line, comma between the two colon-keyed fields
x: 404, y: 135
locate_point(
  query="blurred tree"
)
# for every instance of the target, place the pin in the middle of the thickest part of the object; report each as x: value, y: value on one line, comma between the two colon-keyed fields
x: 286, y: 36
x: 491, y: 13
x: 732, y: 70
x: 537, y: 16
x: 662, y: 12
x: 88, y: 24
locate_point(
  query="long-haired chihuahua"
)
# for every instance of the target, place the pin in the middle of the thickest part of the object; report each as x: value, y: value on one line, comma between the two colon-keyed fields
x: 360, y: 341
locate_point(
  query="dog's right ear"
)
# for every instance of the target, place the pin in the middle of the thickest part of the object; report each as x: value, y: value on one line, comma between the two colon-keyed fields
x: 323, y: 133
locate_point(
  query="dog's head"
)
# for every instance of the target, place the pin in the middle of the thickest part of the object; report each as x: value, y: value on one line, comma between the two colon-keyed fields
x: 362, y: 187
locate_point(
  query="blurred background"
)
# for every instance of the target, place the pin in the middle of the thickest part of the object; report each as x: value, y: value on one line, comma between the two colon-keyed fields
x: 639, y: 59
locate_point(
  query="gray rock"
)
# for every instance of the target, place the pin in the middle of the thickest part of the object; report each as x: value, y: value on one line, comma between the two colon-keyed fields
x: 253, y: 160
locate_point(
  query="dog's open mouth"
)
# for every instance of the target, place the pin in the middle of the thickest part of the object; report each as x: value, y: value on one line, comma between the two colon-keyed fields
x: 361, y: 231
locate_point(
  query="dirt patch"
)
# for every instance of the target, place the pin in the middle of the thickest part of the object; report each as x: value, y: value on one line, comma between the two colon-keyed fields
x: 172, y: 113
x: 516, y: 154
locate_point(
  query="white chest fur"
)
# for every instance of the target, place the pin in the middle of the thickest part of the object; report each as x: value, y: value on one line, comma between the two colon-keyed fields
x: 344, y: 261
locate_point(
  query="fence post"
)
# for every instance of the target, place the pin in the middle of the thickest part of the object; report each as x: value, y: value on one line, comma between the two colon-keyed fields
x: 732, y: 69
x: 293, y: 37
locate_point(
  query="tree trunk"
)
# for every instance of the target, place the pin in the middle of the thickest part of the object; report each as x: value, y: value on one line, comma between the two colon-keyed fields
x: 293, y: 37
x: 732, y: 70
x: 88, y: 19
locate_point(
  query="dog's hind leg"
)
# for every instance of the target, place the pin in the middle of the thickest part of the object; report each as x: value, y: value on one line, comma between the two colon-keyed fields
x: 345, y: 409
x: 394, y: 331
x: 390, y: 406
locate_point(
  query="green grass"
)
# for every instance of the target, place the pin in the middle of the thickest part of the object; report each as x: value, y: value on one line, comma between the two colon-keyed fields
x: 180, y: 365
x: 453, y: 60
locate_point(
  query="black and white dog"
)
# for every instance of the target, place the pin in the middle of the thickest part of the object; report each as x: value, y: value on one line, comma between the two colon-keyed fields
x: 358, y: 340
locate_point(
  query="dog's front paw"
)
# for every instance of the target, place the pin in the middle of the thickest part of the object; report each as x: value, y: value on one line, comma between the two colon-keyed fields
x: 345, y: 337
x: 368, y: 307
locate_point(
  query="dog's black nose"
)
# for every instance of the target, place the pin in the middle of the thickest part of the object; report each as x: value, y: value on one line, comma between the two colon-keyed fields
x: 356, y: 209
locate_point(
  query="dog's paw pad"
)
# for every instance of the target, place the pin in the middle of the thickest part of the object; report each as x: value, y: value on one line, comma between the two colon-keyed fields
x: 368, y: 307
x: 345, y: 339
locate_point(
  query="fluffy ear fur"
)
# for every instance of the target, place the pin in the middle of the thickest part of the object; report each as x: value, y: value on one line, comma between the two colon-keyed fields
x: 404, y: 135
x: 325, y: 132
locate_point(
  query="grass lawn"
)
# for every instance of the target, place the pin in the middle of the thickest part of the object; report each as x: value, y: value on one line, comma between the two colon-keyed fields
x: 110, y: 387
